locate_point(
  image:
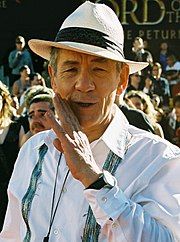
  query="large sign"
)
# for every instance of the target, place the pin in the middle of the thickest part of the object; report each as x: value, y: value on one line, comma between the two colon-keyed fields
x: 153, y: 20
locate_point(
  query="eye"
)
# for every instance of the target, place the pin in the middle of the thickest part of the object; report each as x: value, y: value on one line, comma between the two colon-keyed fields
x: 73, y: 69
x: 100, y: 69
x: 30, y: 116
x: 42, y: 113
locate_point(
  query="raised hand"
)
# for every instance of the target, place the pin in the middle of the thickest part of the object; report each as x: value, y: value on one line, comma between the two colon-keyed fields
x: 73, y: 143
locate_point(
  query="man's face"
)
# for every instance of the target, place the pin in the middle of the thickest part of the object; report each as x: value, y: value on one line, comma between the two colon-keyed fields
x: 156, y: 71
x: 177, y: 109
x: 37, y: 120
x: 135, y: 78
x: 89, y: 85
x: 37, y: 81
x: 170, y: 61
x: 25, y: 73
x: 20, y: 45
x: 137, y: 44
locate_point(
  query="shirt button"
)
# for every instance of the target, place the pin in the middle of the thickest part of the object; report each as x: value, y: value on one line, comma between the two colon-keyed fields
x: 64, y: 189
x: 104, y: 199
x: 56, y: 232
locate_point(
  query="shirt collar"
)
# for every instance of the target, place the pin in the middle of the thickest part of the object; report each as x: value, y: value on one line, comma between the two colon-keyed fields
x: 116, y: 136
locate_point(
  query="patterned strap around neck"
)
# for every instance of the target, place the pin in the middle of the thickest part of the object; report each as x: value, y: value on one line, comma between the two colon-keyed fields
x: 92, y: 228
x: 28, y: 197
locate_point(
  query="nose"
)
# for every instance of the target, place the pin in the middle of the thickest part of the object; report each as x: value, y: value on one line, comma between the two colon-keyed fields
x: 84, y: 82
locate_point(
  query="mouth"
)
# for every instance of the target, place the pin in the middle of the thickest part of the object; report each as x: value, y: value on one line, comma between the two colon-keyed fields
x: 84, y: 104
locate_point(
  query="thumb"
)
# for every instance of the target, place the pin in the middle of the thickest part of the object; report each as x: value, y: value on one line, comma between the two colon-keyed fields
x: 58, y: 145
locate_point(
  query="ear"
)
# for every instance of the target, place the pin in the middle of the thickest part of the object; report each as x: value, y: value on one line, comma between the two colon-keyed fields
x: 124, y: 75
x: 52, y: 77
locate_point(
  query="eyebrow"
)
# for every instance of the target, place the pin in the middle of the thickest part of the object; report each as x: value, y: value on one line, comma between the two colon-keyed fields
x: 100, y: 60
x: 97, y: 59
x: 39, y: 110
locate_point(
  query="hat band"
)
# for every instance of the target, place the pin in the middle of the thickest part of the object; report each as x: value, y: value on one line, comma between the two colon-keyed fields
x: 88, y: 36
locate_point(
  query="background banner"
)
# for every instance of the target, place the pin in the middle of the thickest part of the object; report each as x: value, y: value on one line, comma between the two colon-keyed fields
x: 153, y: 20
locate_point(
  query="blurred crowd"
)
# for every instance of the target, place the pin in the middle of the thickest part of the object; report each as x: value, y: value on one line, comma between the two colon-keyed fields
x: 152, y: 99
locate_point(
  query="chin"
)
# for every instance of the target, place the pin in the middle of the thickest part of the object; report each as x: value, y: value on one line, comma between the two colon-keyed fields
x: 86, y: 123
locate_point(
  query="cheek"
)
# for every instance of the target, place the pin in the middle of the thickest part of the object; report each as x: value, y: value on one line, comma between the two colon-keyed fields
x: 108, y: 101
x: 30, y: 125
x: 64, y: 88
x: 107, y: 87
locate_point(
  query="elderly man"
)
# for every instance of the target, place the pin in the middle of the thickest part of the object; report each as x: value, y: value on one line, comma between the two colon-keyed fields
x: 94, y: 177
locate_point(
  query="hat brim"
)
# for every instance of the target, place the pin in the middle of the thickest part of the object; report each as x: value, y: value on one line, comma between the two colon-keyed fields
x: 43, y: 49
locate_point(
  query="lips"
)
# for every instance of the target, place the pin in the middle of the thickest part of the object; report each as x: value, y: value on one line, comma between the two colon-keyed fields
x: 82, y: 104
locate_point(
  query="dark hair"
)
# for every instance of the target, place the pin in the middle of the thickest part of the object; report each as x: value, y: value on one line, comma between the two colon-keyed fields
x: 33, y: 91
x: 43, y: 98
x: 20, y: 39
x: 24, y: 67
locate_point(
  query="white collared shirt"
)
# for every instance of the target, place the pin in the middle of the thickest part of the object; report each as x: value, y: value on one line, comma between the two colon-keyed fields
x: 144, y: 206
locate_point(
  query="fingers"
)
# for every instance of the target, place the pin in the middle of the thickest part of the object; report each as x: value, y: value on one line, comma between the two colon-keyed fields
x: 63, y: 141
x: 68, y: 119
x: 58, y: 145
x: 53, y: 123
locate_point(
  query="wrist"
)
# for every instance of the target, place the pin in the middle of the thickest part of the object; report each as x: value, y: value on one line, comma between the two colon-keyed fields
x: 89, y: 179
x: 105, y: 180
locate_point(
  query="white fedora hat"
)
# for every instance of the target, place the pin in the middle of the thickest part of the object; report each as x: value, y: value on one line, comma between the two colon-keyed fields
x: 94, y: 29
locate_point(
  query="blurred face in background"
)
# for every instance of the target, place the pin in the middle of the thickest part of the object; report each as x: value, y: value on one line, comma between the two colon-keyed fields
x: 156, y: 71
x: 177, y: 110
x: 148, y: 82
x: 37, y: 121
x: 135, y: 79
x: 20, y: 44
x: 26, y: 72
x: 38, y: 80
x: 171, y: 60
x: 164, y: 46
x: 137, y: 102
x: 138, y: 44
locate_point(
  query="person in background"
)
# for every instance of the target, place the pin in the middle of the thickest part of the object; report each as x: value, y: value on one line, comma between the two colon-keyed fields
x: 135, y: 116
x: 162, y: 55
x: 29, y: 94
x: 18, y: 58
x: 38, y: 106
x: 143, y: 102
x: 140, y: 54
x: 92, y: 177
x: 173, y: 122
x: 11, y: 133
x: 37, y: 79
x: 172, y: 70
x: 148, y: 86
x: 134, y: 82
x: 160, y: 85
x: 23, y: 83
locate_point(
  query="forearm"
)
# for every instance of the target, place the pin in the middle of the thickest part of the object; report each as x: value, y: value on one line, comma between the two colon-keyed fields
x: 122, y: 218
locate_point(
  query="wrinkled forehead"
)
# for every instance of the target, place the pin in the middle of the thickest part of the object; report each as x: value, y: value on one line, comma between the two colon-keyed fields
x: 70, y: 57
